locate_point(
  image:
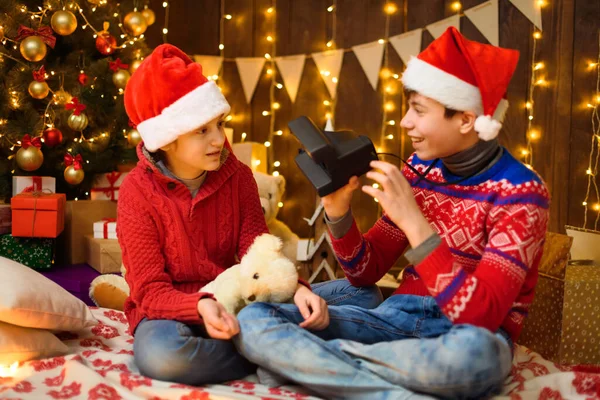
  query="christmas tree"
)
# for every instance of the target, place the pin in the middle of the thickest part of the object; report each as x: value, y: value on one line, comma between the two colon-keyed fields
x: 64, y: 65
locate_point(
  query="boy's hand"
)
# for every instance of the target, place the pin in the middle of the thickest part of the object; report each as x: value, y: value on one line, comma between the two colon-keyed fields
x: 337, y: 204
x: 313, y: 308
x: 398, y: 201
x: 218, y: 322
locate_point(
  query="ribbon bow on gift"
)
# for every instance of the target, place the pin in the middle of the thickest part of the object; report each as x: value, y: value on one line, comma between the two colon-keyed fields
x: 117, y: 65
x: 75, y: 105
x: 45, y: 33
x: 40, y: 74
x: 27, y: 141
x: 105, y: 225
x: 76, y: 162
x: 111, y: 189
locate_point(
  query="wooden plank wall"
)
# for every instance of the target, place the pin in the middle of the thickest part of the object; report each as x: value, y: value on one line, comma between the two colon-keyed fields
x: 569, y: 43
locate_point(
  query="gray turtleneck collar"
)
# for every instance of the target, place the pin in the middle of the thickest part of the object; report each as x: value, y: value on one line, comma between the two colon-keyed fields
x: 478, y: 157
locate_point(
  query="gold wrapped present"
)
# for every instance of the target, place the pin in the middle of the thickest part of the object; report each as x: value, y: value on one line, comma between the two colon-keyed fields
x: 104, y: 255
x: 562, y: 324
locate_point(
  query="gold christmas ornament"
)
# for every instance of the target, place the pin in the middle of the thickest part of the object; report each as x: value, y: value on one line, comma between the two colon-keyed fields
x: 120, y: 78
x: 33, y: 48
x: 63, y: 22
x: 78, y: 122
x: 98, y: 143
x: 134, y: 65
x: 38, y: 90
x: 61, y: 97
x: 74, y: 176
x: 135, y: 23
x: 134, y: 137
x: 149, y: 15
x: 30, y: 158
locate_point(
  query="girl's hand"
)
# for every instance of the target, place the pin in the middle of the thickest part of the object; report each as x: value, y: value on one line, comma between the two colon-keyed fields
x: 218, y: 322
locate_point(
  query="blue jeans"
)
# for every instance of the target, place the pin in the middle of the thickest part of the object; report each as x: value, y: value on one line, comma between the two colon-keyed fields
x: 403, y: 348
x: 176, y: 352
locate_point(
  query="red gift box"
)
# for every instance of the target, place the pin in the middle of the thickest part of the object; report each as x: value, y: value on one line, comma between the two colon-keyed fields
x: 38, y: 214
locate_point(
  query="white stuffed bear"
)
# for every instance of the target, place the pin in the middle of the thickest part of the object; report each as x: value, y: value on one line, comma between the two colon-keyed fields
x: 270, y: 190
x: 263, y: 275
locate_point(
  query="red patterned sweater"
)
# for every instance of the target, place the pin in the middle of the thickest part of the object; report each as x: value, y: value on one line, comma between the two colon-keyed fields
x: 492, y: 228
x: 173, y: 245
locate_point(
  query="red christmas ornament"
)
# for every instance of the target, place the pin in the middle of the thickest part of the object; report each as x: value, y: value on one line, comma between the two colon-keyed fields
x: 52, y: 137
x: 83, y: 79
x: 106, y: 43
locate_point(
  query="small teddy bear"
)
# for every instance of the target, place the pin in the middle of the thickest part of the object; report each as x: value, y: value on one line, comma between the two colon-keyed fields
x: 263, y: 275
x: 270, y: 191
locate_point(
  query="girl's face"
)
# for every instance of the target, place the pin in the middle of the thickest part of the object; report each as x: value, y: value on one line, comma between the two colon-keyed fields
x: 197, y: 151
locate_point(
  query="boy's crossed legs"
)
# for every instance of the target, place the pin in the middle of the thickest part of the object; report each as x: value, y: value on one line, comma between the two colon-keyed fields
x: 403, y: 346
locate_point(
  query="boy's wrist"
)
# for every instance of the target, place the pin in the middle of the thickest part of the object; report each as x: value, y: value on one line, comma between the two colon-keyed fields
x: 417, y: 230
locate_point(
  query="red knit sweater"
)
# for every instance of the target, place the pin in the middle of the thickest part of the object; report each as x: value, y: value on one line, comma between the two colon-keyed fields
x: 492, y: 228
x: 173, y: 245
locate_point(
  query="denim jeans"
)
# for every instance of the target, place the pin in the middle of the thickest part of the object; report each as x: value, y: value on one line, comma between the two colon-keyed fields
x: 404, y: 348
x: 176, y: 352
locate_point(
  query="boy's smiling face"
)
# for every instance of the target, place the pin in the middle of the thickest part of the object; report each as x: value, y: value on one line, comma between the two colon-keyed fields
x: 434, y: 135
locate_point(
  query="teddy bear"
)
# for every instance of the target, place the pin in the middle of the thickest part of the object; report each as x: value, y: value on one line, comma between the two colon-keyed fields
x: 270, y: 191
x: 263, y: 275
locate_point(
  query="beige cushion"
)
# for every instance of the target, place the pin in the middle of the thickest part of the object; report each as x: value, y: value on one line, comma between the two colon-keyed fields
x: 29, y: 299
x: 24, y: 344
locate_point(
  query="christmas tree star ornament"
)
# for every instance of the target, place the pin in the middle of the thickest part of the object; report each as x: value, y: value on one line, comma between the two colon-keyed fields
x: 74, y: 173
x: 30, y: 157
x: 38, y: 89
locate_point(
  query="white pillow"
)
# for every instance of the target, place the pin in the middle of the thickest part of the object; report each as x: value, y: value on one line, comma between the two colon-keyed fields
x: 29, y: 299
x: 24, y: 344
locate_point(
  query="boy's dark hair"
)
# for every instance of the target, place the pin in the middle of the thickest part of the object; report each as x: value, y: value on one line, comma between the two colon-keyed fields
x: 448, y: 112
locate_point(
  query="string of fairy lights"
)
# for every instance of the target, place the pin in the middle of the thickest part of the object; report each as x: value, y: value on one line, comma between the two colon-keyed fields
x: 593, y: 105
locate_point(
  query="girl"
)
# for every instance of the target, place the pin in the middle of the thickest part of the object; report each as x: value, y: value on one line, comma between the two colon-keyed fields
x: 185, y: 212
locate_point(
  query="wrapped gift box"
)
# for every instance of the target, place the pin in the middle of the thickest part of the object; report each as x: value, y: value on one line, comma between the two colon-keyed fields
x: 36, y: 253
x: 563, y: 324
x: 106, y: 186
x: 5, y: 218
x: 26, y: 184
x: 106, y: 229
x: 104, y: 255
x: 39, y: 215
x: 79, y: 220
x: 252, y: 154
x: 74, y: 278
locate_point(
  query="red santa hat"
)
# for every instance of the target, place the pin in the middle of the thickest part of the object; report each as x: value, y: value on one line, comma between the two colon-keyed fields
x: 466, y: 76
x: 168, y: 96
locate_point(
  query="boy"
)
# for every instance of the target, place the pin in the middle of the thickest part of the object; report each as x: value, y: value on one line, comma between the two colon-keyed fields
x: 475, y: 218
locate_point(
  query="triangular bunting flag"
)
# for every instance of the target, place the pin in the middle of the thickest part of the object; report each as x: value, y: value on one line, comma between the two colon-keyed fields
x: 329, y: 64
x: 329, y: 125
x: 369, y: 56
x: 407, y: 44
x: 485, y: 18
x: 249, y: 69
x: 291, y: 68
x: 531, y: 9
x: 211, y: 65
x: 437, y: 28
